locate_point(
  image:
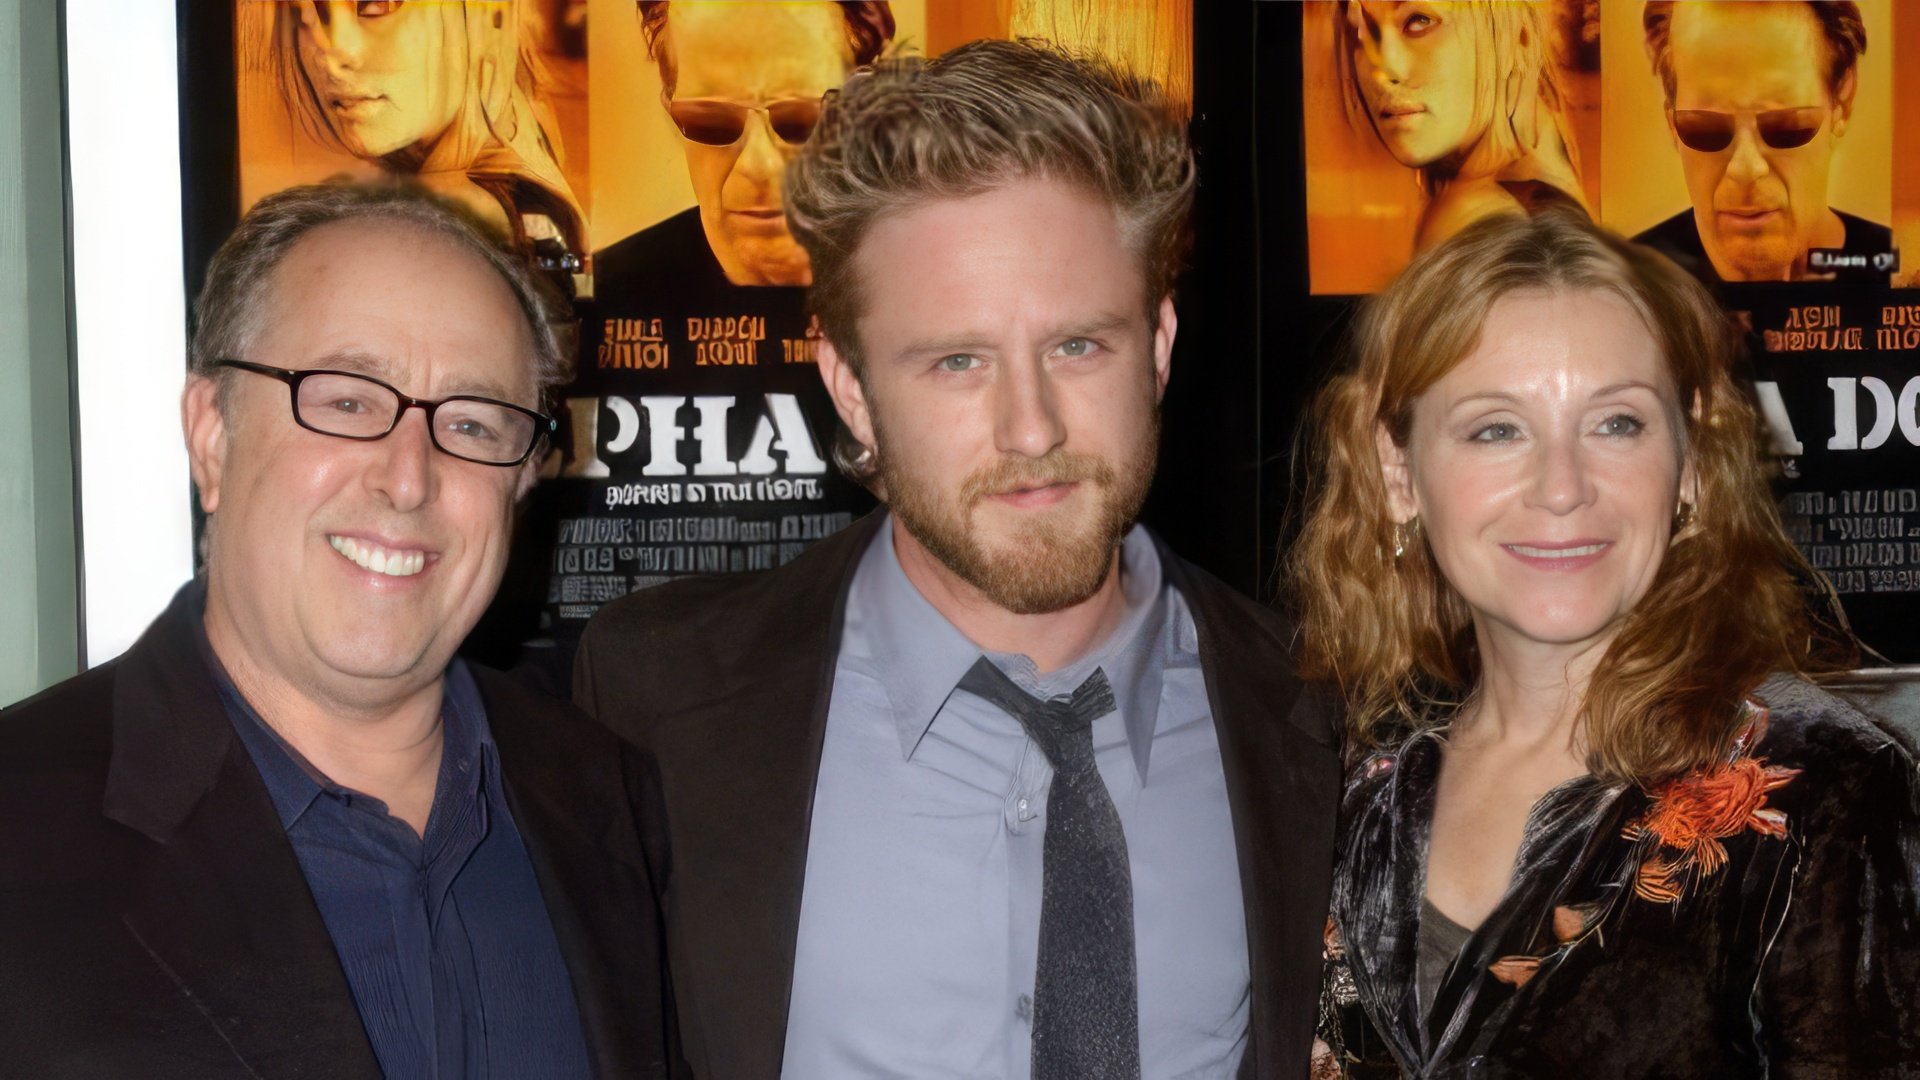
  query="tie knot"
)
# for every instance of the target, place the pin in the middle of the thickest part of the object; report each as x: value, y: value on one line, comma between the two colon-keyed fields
x: 1050, y: 723
x: 1091, y: 700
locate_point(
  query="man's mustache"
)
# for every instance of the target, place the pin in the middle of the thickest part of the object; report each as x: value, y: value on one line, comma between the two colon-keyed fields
x: 1023, y: 473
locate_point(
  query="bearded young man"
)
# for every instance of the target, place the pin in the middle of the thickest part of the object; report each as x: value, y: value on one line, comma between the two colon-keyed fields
x: 990, y: 783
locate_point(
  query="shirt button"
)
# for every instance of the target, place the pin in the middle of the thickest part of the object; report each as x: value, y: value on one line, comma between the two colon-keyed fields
x: 1024, y: 1008
x: 1025, y: 808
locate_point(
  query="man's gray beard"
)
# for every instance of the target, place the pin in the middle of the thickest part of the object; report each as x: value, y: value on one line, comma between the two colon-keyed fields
x: 1051, y: 568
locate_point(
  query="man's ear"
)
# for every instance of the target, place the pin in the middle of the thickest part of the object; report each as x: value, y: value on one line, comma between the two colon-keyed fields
x: 206, y: 432
x: 848, y: 393
x: 1843, y: 100
x: 1402, y: 505
x: 1163, y: 347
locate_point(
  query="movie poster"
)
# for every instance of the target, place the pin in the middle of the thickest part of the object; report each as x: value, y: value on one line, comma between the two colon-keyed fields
x: 1736, y: 138
x: 1768, y: 172
x: 1726, y: 149
x: 1421, y: 118
x: 1906, y: 136
x: 483, y: 102
x: 635, y: 151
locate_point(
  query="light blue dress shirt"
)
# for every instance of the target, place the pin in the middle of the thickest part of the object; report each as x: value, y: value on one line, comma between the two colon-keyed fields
x: 920, y: 916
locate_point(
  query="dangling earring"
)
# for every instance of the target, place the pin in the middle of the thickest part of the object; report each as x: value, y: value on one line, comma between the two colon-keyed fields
x: 1403, y: 533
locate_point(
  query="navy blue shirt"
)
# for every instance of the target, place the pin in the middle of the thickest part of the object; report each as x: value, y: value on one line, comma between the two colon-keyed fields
x: 444, y: 939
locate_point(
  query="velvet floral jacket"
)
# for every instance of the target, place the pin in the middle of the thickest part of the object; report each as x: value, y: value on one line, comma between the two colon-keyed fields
x: 1754, y: 919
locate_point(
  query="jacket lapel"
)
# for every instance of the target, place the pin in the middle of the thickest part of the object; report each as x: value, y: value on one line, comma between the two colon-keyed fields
x: 742, y: 819
x: 1282, y: 774
x: 218, y: 900
x: 582, y: 856
x: 1383, y: 853
x: 1568, y: 833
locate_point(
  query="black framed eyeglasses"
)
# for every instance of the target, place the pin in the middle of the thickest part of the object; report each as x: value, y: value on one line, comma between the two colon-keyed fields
x: 349, y: 405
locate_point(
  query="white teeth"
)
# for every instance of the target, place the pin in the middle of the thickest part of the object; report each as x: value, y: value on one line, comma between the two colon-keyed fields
x: 1556, y: 553
x: 378, y: 559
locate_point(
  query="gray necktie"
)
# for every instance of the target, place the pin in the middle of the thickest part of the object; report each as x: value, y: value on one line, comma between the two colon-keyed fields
x: 1086, y: 1007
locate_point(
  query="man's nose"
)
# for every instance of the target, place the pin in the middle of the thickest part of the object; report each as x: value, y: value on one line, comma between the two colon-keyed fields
x: 1027, y: 412
x: 760, y: 157
x: 1749, y: 159
x: 405, y: 465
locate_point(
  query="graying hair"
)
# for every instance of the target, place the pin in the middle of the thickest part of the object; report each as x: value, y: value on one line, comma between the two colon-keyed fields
x: 232, y: 308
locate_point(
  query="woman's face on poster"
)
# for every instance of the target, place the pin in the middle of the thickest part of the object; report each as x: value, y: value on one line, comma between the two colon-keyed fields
x: 381, y: 71
x: 1414, y: 64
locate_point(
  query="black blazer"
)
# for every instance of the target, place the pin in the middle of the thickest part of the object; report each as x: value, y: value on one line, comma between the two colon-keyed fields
x: 726, y: 679
x: 154, y: 922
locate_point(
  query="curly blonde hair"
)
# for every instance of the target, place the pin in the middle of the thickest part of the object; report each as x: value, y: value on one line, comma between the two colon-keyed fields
x: 1728, y: 606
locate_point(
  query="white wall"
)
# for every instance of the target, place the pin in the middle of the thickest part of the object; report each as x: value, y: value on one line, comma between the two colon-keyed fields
x: 38, y: 604
x: 129, y: 309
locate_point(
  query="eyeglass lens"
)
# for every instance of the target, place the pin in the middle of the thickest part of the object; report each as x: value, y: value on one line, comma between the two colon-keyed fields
x: 1782, y: 129
x: 721, y: 123
x: 478, y: 430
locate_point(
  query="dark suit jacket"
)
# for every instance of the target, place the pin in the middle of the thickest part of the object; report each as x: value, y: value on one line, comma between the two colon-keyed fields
x: 154, y: 922
x: 726, y: 679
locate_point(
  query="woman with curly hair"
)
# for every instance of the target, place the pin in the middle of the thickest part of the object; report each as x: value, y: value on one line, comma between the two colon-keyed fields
x: 1597, y: 822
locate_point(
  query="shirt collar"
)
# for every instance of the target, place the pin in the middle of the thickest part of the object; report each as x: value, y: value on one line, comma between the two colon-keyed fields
x: 293, y: 782
x: 918, y: 657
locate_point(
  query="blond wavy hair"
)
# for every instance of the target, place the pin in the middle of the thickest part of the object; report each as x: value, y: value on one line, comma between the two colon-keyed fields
x: 1516, y: 78
x: 1730, y: 602
x: 907, y: 131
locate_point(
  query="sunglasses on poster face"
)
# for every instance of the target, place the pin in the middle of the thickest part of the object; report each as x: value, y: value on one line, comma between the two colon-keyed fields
x: 1782, y: 129
x: 722, y: 123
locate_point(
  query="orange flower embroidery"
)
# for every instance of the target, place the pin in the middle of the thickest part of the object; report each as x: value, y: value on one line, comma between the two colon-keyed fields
x: 1572, y: 921
x: 1690, y: 815
x: 1515, y: 970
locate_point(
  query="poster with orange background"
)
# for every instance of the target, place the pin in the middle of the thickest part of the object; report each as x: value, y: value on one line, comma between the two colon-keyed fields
x: 636, y: 151
x: 484, y: 101
x: 1906, y: 134
x: 1420, y: 117
x: 1705, y: 207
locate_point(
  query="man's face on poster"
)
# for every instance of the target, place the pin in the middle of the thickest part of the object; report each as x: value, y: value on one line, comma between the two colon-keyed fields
x: 379, y: 72
x: 748, y: 82
x: 1414, y: 65
x: 1755, y: 123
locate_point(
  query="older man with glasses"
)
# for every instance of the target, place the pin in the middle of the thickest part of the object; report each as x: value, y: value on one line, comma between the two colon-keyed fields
x: 289, y: 833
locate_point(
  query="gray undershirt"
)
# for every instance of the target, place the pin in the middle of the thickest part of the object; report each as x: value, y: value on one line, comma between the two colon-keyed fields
x: 1440, y: 941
